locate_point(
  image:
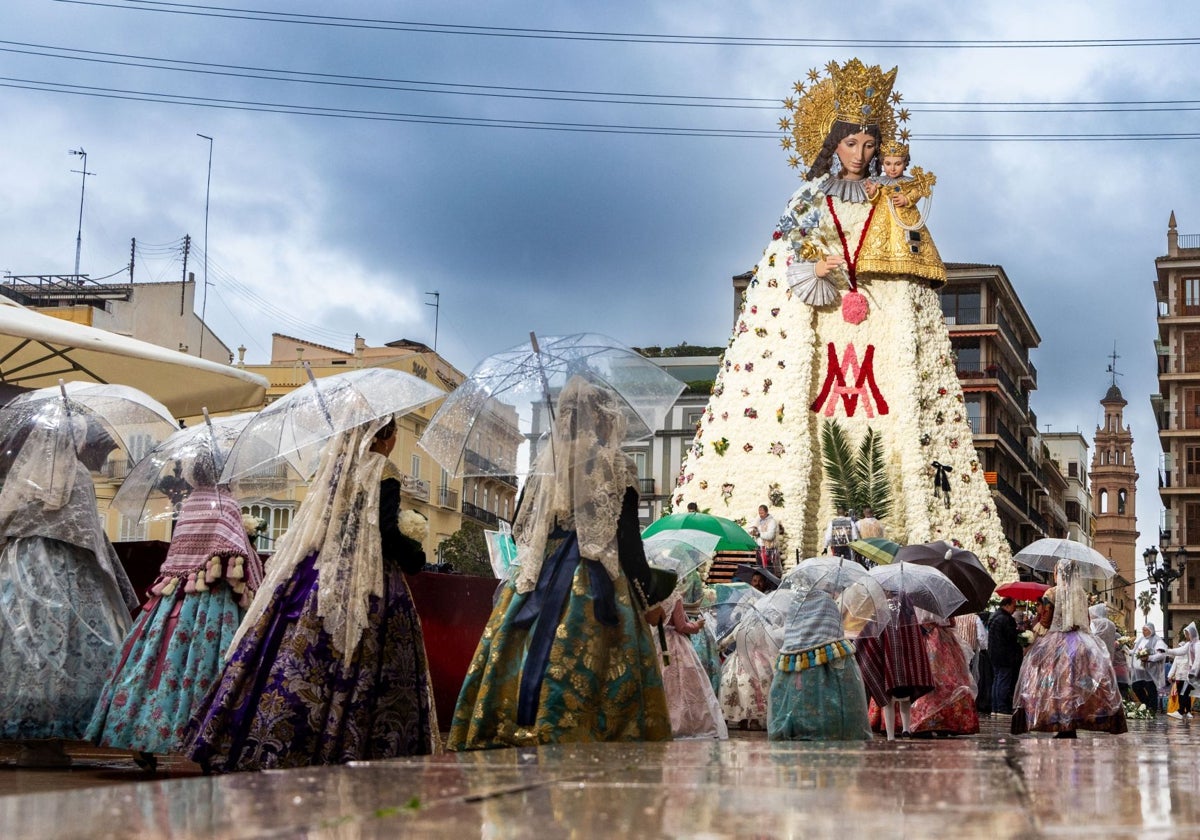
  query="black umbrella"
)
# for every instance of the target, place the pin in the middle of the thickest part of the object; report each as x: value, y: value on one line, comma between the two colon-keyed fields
x: 961, y: 566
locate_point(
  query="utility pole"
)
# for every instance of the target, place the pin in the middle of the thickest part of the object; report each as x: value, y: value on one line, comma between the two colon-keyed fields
x: 132, y: 256
x: 83, y: 187
x: 187, y: 246
x: 204, y: 297
x: 437, y: 311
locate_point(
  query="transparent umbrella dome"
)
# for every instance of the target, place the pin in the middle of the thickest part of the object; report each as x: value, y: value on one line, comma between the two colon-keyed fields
x: 923, y: 586
x: 135, y: 421
x: 860, y: 598
x: 190, y: 458
x: 293, y: 430
x: 497, y: 421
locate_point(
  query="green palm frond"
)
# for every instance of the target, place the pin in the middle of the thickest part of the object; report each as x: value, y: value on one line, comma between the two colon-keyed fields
x: 839, y: 463
x: 873, y: 489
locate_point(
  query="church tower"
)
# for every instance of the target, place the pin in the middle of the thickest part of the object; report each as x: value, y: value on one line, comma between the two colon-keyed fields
x: 1114, y: 504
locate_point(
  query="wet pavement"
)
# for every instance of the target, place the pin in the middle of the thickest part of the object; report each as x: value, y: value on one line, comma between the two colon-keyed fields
x: 1144, y: 784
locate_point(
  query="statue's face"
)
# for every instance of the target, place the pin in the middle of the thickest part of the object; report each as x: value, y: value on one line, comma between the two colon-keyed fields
x: 855, y: 152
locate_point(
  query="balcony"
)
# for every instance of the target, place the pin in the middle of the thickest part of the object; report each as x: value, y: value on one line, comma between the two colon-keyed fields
x: 447, y: 498
x: 480, y: 515
x: 115, y: 470
x: 1012, y: 495
x: 645, y: 487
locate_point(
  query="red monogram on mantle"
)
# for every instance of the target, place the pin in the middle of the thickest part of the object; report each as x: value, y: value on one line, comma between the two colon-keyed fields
x: 837, y: 376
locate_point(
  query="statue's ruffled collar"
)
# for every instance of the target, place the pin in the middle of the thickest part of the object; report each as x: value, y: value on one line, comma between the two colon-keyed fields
x: 843, y: 189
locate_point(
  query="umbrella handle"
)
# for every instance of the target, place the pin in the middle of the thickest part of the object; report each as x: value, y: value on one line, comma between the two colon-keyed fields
x: 212, y: 434
x: 537, y: 360
x: 62, y: 388
x: 320, y: 397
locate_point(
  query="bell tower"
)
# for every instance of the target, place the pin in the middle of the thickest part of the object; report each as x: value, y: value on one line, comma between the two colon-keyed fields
x: 1114, y: 502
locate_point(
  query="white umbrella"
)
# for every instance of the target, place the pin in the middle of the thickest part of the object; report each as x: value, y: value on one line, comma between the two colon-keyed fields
x: 861, y: 600
x: 37, y: 350
x: 682, y: 551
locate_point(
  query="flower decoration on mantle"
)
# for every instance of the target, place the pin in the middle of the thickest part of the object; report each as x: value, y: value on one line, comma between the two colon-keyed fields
x: 721, y: 447
x: 727, y: 491
x: 775, y: 494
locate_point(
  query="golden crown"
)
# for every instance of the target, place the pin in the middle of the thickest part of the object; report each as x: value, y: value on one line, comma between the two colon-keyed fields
x: 853, y: 93
x: 893, y: 148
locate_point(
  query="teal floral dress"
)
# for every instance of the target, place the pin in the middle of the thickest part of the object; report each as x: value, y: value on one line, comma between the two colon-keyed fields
x: 571, y: 661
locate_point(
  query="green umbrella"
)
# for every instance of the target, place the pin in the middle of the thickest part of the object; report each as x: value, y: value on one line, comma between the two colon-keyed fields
x: 733, y: 536
x: 876, y: 548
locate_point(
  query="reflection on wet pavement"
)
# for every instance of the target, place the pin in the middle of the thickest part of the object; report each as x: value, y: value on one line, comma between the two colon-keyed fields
x: 1142, y: 784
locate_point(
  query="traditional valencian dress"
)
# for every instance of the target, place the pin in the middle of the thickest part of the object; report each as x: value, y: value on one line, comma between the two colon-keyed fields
x: 948, y: 709
x: 895, y: 664
x: 749, y: 668
x: 817, y: 692
x: 1067, y: 681
x: 567, y: 655
x: 691, y: 699
x: 865, y: 348
x: 173, y: 655
x: 64, y: 598
x: 329, y: 664
x: 697, y: 602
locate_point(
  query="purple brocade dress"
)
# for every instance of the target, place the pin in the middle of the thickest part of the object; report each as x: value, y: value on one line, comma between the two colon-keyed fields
x: 285, y: 699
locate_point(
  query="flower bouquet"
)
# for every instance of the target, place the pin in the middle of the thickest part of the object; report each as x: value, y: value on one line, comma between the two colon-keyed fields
x: 1026, y: 638
x: 414, y: 525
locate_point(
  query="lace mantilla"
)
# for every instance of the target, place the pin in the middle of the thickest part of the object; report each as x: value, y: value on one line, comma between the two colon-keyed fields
x: 578, y: 484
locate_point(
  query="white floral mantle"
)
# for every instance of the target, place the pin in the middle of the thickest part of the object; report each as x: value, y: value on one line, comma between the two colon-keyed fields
x: 895, y: 372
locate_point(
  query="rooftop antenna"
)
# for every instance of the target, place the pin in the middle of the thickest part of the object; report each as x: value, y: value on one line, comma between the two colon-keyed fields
x: 204, y: 297
x: 437, y: 311
x: 82, y: 188
x: 1112, y: 367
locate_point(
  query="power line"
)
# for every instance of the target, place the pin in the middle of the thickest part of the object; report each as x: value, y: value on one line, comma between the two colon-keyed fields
x: 528, y: 125
x: 366, y: 114
x: 380, y: 24
x: 384, y: 83
x: 559, y: 94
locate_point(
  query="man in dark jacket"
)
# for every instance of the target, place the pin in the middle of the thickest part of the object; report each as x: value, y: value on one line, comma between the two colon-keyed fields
x: 1005, y: 652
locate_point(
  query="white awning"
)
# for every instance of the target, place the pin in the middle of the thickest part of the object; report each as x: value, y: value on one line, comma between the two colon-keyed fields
x: 37, y: 350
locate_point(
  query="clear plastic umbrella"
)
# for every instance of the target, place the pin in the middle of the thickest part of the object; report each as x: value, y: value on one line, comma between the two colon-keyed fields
x: 136, y: 422
x: 1044, y: 555
x: 925, y: 587
x: 293, y: 429
x: 681, y: 552
x: 193, y: 457
x: 496, y: 422
x: 733, y: 601
x: 860, y: 599
x: 961, y: 566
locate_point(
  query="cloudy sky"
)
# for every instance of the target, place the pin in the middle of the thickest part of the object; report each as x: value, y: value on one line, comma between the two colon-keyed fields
x: 562, y: 167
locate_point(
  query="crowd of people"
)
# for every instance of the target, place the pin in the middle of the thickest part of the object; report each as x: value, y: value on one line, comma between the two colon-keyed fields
x: 321, y: 659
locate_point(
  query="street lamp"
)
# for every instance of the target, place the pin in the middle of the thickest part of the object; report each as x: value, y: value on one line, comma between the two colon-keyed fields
x: 1162, y: 575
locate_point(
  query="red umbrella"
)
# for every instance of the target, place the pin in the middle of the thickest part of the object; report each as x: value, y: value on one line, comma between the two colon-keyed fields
x: 1022, y: 590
